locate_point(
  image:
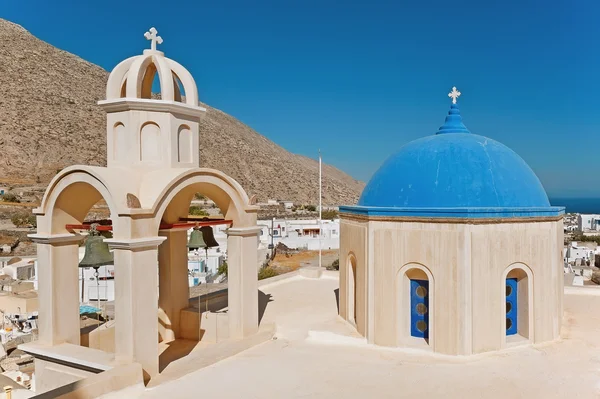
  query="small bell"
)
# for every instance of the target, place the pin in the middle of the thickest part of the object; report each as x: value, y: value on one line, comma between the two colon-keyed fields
x: 209, y: 237
x: 196, y: 240
x: 96, y: 251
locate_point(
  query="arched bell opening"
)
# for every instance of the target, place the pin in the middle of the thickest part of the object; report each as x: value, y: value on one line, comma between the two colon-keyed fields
x: 203, y: 238
x: 150, y: 82
x: 415, y: 306
x: 75, y: 266
x: 179, y: 88
x: 195, y: 217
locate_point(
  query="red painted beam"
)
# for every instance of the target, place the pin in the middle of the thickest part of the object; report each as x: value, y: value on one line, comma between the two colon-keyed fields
x: 87, y: 227
x: 199, y: 218
x: 199, y: 223
x: 163, y: 226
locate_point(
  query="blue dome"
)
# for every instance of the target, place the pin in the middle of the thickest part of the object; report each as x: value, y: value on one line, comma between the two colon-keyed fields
x: 457, y: 170
x: 454, y: 169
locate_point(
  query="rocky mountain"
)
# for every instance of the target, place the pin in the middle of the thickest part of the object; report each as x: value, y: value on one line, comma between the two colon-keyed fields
x: 49, y: 119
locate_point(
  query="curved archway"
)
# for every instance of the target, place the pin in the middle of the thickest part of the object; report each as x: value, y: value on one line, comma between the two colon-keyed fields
x: 140, y: 76
x: 116, y: 79
x: 351, y: 288
x: 517, y: 304
x: 187, y: 81
x: 69, y: 198
x: 415, y: 306
x: 172, y: 206
x: 173, y: 202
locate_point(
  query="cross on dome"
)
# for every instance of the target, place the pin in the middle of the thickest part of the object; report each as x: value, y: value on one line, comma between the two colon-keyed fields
x: 454, y: 94
x: 453, y: 123
x: 153, y: 37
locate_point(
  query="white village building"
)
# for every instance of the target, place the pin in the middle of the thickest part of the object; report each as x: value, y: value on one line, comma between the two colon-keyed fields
x: 587, y: 222
x: 300, y: 234
x: 574, y: 251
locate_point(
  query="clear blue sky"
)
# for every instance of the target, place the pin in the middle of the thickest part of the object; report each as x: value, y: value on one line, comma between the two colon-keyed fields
x: 360, y: 79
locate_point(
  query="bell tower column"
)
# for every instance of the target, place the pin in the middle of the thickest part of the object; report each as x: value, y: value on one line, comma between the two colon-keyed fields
x: 242, y: 278
x: 173, y: 290
x: 58, y: 287
x: 136, y: 301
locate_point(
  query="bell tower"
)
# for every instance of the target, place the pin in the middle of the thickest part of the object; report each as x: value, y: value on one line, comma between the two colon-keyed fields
x: 144, y: 131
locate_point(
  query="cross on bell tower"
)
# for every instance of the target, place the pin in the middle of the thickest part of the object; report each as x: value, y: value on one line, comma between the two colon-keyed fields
x: 153, y: 37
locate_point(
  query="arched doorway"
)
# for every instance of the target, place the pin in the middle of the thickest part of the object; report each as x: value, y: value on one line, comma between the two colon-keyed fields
x: 351, y: 276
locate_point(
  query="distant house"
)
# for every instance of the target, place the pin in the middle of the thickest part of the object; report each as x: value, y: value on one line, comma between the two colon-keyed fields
x: 20, y: 269
x: 301, y: 233
x: 286, y: 204
x: 583, y: 251
x: 588, y: 222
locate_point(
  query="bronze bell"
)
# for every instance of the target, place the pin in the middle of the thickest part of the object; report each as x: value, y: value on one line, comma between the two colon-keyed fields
x: 209, y: 237
x: 202, y: 237
x: 96, y: 251
x: 196, y: 241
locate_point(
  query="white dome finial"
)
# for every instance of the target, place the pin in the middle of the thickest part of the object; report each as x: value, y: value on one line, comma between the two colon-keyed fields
x: 454, y: 94
x: 152, y: 36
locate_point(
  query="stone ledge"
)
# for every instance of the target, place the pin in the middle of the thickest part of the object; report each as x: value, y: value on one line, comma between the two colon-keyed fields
x: 134, y: 243
x: 55, y: 239
x: 212, y: 354
x: 120, y: 382
x: 278, y: 278
x: 243, y: 231
x: 142, y: 104
x: 311, y: 271
x: 79, y: 357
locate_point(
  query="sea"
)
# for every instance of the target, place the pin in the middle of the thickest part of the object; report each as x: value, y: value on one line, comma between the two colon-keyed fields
x: 578, y: 205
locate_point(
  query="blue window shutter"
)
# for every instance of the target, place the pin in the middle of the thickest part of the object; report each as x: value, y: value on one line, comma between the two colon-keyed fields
x: 419, y: 308
x: 512, y: 310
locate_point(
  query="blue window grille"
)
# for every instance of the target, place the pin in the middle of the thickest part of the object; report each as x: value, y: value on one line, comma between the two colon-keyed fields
x: 511, y: 306
x: 419, y: 308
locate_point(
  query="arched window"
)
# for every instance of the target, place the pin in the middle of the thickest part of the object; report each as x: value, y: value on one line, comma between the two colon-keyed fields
x: 184, y: 144
x: 121, y: 146
x: 150, y: 142
x: 517, y: 303
x: 419, y: 308
x: 415, y: 306
x: 512, y: 306
x: 351, y: 278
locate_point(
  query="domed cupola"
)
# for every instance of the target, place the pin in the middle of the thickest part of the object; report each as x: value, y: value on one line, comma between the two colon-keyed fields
x: 454, y: 173
x: 162, y: 132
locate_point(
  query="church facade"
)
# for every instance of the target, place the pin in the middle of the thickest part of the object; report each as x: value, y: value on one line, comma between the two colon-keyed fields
x: 453, y: 248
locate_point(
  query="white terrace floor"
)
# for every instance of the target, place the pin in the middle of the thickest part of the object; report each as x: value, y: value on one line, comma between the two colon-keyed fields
x: 313, y: 357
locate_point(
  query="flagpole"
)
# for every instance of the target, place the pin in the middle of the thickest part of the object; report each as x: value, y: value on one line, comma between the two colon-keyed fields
x: 320, y: 207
